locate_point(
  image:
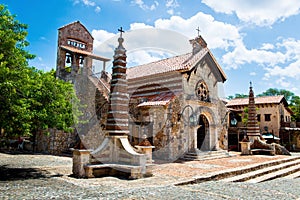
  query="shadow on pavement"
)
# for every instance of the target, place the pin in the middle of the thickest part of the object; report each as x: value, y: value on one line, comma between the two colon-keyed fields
x: 11, y: 174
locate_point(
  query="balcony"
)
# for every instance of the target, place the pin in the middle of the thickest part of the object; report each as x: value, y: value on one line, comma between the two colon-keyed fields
x: 290, y: 124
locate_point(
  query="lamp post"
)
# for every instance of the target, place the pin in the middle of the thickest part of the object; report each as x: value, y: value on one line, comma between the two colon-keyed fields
x: 192, y: 121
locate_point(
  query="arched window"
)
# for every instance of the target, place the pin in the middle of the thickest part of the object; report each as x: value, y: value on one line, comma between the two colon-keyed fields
x: 202, y: 91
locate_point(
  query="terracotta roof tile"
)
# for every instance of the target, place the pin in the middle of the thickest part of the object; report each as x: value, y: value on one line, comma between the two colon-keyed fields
x: 160, y: 99
x: 258, y: 100
x: 83, y: 52
x: 176, y: 63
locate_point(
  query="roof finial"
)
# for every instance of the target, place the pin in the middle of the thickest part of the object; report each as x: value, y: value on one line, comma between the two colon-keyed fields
x: 250, y: 84
x: 120, y: 39
x: 121, y: 31
x: 198, y: 29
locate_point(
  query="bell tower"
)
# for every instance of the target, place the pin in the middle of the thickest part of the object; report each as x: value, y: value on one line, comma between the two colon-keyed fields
x: 75, y: 51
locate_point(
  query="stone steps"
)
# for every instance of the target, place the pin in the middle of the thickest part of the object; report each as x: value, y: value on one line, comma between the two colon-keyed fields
x: 247, y: 172
x: 265, y: 173
x: 204, y: 155
x: 276, y: 174
x: 293, y: 175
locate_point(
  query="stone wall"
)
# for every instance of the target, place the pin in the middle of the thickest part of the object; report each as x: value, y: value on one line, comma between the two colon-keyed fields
x: 55, y: 142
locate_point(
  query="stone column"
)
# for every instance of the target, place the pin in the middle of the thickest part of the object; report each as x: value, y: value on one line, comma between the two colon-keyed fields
x: 80, y: 159
x: 117, y: 119
x: 253, y: 131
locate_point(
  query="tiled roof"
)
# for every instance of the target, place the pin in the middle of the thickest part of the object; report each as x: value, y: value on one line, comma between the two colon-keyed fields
x: 258, y: 100
x: 154, y: 103
x: 75, y: 50
x: 176, y: 63
x: 160, y: 99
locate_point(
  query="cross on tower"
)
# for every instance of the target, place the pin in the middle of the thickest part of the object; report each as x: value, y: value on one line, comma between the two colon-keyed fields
x: 121, y: 31
x: 198, y: 29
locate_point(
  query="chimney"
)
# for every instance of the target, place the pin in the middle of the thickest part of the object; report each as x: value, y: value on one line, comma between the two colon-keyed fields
x: 198, y: 43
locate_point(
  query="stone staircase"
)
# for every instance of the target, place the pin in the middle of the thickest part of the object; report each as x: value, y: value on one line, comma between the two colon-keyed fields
x: 204, y: 155
x: 286, y: 167
x: 283, y: 168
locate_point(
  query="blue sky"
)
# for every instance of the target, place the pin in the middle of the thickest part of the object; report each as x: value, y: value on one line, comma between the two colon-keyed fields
x: 252, y: 40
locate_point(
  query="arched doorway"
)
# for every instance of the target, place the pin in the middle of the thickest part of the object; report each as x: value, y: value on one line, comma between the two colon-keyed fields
x: 202, y: 132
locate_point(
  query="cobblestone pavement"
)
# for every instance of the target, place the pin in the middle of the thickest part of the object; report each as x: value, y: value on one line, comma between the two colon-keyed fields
x: 48, y: 177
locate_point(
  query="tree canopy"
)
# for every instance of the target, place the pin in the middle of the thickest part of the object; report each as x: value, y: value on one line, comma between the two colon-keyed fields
x: 238, y: 96
x: 31, y: 99
x: 288, y: 95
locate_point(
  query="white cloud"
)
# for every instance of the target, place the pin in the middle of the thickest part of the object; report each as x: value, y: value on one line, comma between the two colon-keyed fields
x: 97, y: 9
x: 144, y: 6
x: 259, y: 12
x: 216, y: 33
x: 252, y: 73
x: 170, y: 12
x: 241, y: 55
x: 283, y: 83
x: 101, y: 45
x: 166, y: 31
x: 88, y: 3
x: 144, y: 42
x: 135, y: 26
x: 171, y: 5
x: 267, y: 46
x: 143, y: 56
x: 291, y: 71
x: 102, y: 35
x: 292, y: 47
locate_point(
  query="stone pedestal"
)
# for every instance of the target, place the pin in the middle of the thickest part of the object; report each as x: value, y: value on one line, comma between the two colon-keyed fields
x: 117, y: 149
x: 147, y: 150
x: 80, y: 159
x: 245, y: 148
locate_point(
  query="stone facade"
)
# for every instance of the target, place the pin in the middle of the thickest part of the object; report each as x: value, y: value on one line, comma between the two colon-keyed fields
x: 178, y: 109
x: 174, y: 102
x: 271, y: 111
x: 74, y: 64
x: 273, y: 117
x: 55, y: 142
x: 72, y: 39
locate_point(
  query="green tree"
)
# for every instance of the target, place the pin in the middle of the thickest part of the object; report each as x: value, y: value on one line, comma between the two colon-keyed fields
x: 31, y: 99
x: 13, y: 71
x: 237, y: 96
x: 295, y: 107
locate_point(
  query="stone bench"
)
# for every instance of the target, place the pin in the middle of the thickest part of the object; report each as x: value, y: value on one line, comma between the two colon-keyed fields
x: 98, y: 170
x: 271, y: 151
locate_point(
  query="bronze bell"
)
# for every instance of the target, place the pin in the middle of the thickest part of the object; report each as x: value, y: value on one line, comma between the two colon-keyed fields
x: 68, y: 59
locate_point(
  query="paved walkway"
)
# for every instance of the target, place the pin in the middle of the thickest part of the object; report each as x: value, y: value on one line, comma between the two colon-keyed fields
x: 46, y: 176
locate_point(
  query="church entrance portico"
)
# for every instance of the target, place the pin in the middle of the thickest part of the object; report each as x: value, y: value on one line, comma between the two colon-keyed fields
x: 205, y: 133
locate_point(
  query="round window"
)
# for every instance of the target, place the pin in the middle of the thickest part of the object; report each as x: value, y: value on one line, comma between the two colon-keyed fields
x: 202, y: 91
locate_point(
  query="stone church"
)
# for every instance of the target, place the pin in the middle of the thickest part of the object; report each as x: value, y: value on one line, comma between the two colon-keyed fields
x: 173, y: 102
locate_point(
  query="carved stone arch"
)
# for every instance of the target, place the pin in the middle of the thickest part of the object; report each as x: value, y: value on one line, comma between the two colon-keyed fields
x: 201, y: 91
x: 208, y: 113
x: 210, y: 142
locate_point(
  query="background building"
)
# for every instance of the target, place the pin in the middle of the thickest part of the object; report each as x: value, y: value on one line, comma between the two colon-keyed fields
x: 273, y: 116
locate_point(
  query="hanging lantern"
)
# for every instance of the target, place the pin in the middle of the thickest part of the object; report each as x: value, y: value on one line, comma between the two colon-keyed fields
x: 81, y: 60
